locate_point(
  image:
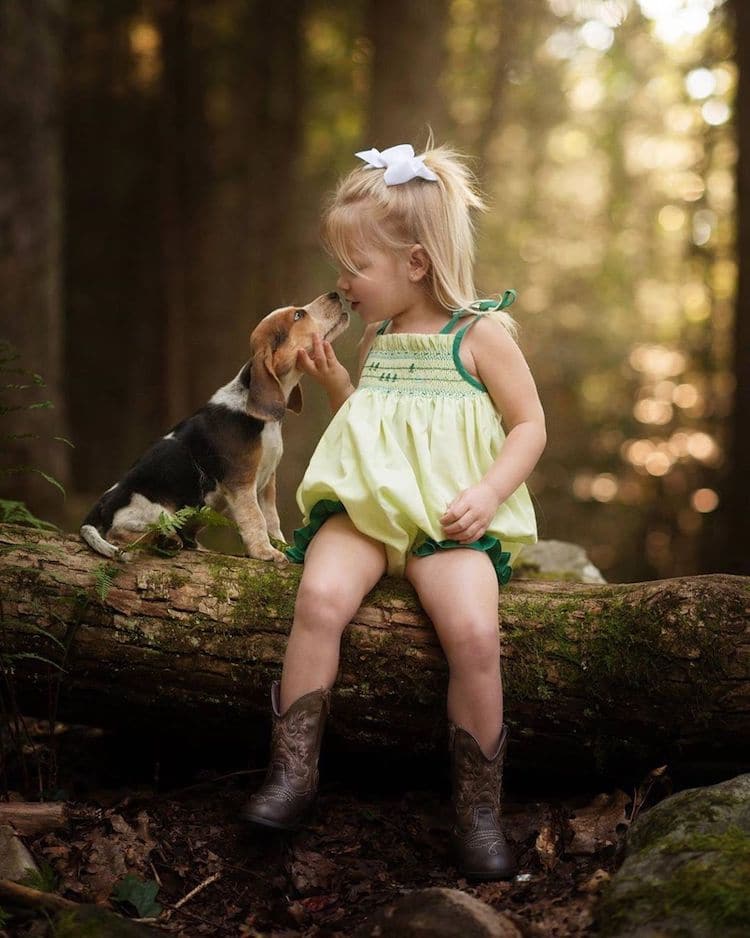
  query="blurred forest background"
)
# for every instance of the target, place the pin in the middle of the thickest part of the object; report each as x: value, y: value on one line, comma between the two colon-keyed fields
x: 162, y: 168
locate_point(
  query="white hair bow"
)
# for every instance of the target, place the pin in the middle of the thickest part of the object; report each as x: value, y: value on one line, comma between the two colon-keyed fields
x: 399, y: 162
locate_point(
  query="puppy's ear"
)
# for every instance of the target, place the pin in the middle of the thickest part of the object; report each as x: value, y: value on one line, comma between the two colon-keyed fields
x: 295, y: 399
x: 264, y: 396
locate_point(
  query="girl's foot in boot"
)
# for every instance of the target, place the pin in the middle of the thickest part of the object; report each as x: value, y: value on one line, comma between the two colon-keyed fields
x: 291, y: 782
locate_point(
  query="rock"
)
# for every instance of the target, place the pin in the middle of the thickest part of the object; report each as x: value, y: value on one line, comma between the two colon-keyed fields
x: 15, y: 859
x: 556, y: 560
x: 438, y: 913
x: 687, y: 868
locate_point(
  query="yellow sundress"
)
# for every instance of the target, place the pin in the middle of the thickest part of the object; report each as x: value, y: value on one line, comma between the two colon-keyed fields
x: 417, y: 431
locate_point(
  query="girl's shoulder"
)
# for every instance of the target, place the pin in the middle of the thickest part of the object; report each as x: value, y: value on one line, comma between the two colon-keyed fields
x: 491, y: 347
x: 485, y: 328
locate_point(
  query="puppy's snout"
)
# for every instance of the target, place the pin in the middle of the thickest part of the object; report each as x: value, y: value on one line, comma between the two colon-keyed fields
x: 333, y: 296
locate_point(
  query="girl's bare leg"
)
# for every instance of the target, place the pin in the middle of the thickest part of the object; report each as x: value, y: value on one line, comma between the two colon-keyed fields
x: 458, y: 590
x: 341, y: 567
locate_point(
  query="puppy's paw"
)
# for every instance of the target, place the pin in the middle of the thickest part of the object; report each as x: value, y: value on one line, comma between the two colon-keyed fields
x: 279, y: 559
x: 269, y: 554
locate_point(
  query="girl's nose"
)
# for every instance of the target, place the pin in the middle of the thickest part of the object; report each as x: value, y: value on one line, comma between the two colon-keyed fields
x: 342, y: 283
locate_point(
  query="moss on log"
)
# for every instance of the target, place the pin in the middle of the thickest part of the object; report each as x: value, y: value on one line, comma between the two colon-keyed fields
x: 596, y: 676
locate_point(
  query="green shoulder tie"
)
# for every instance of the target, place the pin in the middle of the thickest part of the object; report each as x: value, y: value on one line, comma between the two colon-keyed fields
x: 486, y: 306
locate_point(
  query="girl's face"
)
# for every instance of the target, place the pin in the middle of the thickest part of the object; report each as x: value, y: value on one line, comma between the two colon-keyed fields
x: 382, y: 288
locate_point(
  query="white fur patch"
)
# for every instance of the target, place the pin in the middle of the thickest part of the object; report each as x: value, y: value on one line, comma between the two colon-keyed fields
x: 232, y: 395
x: 270, y: 453
x: 215, y: 499
x: 96, y: 542
x: 137, y: 515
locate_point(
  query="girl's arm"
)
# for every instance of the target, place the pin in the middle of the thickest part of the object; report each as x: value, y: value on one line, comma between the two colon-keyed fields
x: 502, y: 369
x: 323, y: 366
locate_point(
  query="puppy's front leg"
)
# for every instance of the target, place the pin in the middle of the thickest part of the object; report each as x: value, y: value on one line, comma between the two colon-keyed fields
x: 267, y: 501
x: 243, y: 503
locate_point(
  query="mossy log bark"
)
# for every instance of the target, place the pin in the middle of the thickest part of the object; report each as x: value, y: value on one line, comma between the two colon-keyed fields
x: 595, y: 676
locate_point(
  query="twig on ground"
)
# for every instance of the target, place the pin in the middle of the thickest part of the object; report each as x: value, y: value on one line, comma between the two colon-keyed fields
x: 193, y: 892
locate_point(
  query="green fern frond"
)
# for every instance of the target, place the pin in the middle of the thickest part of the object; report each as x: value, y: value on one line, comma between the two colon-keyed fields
x: 44, y: 879
x: 105, y: 575
x: 169, y: 523
x: 14, y: 470
x: 162, y: 536
x: 31, y: 627
x: 12, y: 512
x: 211, y: 518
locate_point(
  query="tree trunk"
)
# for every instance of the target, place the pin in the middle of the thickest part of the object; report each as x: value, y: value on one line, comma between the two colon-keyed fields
x: 409, y: 57
x: 596, y: 677
x: 114, y: 292
x: 738, y: 500
x: 30, y: 244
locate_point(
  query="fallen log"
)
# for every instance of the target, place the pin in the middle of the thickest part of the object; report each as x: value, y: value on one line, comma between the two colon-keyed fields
x: 596, y: 676
x: 33, y: 818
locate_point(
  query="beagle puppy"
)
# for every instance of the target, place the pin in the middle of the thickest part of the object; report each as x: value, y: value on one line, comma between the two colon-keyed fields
x: 225, y: 455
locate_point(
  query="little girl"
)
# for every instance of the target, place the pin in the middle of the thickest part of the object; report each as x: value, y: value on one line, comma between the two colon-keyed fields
x: 413, y: 467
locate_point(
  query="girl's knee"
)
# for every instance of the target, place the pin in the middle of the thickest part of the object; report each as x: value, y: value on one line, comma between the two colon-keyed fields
x: 323, y: 604
x: 475, y: 645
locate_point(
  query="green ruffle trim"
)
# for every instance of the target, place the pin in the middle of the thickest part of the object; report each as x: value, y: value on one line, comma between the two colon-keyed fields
x: 323, y: 509
x: 490, y: 545
x: 321, y: 512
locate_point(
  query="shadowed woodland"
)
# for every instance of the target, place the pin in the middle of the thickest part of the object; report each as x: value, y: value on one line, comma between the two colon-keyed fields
x: 163, y: 164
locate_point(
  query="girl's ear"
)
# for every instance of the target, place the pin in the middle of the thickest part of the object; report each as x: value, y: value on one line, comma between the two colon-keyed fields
x: 419, y: 263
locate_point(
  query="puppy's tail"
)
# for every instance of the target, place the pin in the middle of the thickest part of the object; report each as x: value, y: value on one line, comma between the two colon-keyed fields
x: 96, y: 542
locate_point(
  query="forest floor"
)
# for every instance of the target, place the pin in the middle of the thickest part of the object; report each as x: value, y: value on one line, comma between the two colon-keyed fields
x: 381, y: 828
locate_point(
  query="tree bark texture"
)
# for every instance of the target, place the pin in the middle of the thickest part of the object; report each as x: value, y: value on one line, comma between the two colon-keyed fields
x: 595, y: 677
x: 30, y: 244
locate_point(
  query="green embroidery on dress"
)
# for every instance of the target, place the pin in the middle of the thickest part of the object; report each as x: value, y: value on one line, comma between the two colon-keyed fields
x: 456, y: 389
x: 420, y: 371
x: 411, y: 369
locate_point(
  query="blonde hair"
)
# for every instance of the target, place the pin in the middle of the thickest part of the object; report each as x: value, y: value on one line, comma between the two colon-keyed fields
x: 364, y: 211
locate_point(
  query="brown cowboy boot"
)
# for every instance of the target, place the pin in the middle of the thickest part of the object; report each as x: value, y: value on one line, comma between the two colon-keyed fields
x: 291, y: 782
x: 481, y: 848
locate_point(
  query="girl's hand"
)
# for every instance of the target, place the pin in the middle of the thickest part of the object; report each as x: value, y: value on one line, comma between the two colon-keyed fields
x: 322, y: 365
x: 469, y: 514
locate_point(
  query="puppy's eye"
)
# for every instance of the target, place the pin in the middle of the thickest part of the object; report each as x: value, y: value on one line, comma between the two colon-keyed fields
x: 299, y: 314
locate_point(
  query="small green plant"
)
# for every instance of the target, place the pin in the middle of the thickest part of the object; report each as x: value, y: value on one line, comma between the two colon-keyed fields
x: 165, y: 535
x: 28, y: 382
x: 105, y: 575
x: 17, y: 513
x: 73, y: 925
x: 4, y: 917
x: 140, y: 894
x: 14, y: 733
x: 44, y: 879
